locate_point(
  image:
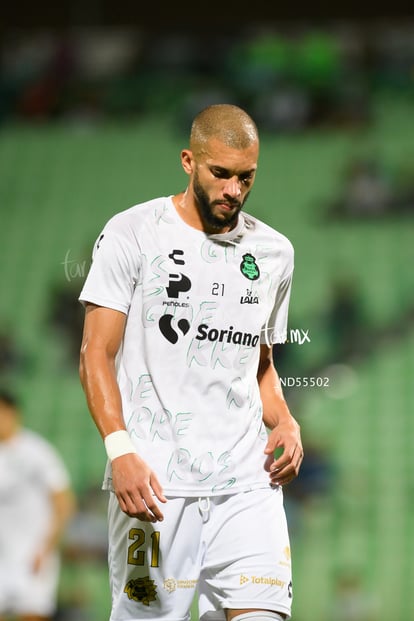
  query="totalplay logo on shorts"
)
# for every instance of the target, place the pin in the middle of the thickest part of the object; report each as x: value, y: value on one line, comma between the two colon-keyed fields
x: 262, y: 580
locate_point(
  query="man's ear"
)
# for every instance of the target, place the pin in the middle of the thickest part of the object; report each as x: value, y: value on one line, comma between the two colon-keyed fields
x: 187, y: 161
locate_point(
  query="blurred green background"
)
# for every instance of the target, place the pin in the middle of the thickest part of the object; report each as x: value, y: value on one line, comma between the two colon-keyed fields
x: 93, y: 123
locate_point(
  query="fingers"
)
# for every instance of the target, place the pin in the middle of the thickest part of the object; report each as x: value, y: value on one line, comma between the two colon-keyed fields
x: 287, y: 466
x: 156, y: 488
x: 285, y: 436
x: 152, y: 509
x: 140, y: 505
x: 270, y: 446
x: 137, y: 488
x: 140, y: 502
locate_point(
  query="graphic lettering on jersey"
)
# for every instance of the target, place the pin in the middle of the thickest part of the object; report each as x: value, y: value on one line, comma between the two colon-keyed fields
x: 249, y: 267
x: 99, y: 241
x: 226, y: 336
x: 141, y: 590
x: 152, y: 424
x: 178, y: 283
x: 249, y: 298
x: 219, y: 469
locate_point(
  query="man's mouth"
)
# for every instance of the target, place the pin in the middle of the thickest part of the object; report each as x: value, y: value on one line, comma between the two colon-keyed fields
x: 227, y: 206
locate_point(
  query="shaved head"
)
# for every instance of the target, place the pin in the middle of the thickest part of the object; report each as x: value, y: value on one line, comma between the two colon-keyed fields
x: 225, y: 122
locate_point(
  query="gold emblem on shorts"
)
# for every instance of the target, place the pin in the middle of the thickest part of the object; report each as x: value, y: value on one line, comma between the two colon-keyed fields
x: 170, y: 585
x: 141, y: 590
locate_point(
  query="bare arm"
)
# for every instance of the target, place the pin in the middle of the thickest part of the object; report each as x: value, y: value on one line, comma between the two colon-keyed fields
x: 63, y: 508
x: 134, y: 482
x: 285, y: 431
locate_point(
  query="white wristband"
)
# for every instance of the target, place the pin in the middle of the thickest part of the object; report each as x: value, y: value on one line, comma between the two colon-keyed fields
x: 118, y: 443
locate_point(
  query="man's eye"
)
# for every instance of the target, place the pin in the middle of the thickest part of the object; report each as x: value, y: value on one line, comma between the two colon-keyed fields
x: 246, y: 178
x: 220, y: 174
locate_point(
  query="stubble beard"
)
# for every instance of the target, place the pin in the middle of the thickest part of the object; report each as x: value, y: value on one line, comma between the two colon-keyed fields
x: 205, y: 208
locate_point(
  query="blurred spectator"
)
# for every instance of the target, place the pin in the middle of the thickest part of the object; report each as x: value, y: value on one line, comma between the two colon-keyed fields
x: 318, y: 61
x: 66, y: 318
x: 286, y: 108
x: 367, y: 190
x: 261, y: 72
x: 259, y: 62
x: 45, y: 64
x: 338, y: 95
x: 294, y: 80
x: 344, y: 319
x: 299, y: 75
x: 36, y: 503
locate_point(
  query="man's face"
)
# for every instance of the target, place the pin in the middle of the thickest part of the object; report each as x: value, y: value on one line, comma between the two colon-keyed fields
x: 222, y: 180
x: 8, y: 421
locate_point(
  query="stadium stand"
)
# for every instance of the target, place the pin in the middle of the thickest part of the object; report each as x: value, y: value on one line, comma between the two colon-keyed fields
x: 61, y: 181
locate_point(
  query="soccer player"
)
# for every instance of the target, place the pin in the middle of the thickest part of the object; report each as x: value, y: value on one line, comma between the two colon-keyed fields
x: 36, y: 502
x: 184, y: 298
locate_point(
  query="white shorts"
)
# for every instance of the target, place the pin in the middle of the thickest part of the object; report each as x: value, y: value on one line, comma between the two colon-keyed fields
x: 23, y: 592
x: 233, y: 550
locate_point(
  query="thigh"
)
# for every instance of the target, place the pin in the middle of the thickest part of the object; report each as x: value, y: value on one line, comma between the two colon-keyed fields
x: 154, y: 568
x: 247, y: 565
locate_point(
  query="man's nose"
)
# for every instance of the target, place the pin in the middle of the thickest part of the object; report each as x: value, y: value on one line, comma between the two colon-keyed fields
x: 232, y: 187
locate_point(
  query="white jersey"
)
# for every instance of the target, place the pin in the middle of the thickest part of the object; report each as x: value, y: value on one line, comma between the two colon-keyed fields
x: 30, y: 471
x: 198, y: 306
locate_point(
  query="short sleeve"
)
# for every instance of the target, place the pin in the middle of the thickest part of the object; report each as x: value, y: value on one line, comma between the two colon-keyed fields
x: 113, y: 273
x: 275, y: 329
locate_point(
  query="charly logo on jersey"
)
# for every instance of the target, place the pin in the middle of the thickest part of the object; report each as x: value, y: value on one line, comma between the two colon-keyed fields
x: 249, y: 267
x: 178, y: 283
x: 141, y: 590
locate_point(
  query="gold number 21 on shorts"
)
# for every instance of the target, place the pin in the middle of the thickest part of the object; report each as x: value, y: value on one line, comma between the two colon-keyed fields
x: 136, y: 556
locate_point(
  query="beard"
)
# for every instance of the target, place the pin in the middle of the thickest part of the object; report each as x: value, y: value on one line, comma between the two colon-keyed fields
x: 206, y: 208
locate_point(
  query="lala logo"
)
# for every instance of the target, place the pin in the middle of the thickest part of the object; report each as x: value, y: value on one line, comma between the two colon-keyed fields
x: 249, y: 298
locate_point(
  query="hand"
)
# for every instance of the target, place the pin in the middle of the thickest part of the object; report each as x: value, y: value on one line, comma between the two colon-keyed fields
x: 135, y: 485
x: 286, y: 435
x: 38, y: 560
